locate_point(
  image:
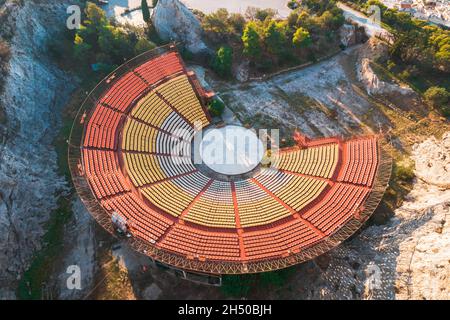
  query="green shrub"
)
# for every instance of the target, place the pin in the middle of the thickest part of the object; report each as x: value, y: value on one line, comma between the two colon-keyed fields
x: 292, y: 4
x: 288, y: 57
x: 143, y: 45
x: 404, y: 171
x: 216, y: 24
x: 446, y: 111
x: 216, y: 107
x: 405, y: 74
x: 302, y: 38
x: 437, y: 97
x: 265, y: 65
x: 152, y: 34
x: 237, y: 286
x: 223, y: 61
x: 186, y: 54
x: 391, y: 65
x: 275, y: 279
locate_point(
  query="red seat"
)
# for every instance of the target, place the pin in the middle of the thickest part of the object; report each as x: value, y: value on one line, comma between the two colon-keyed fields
x: 163, y: 66
x: 360, y: 161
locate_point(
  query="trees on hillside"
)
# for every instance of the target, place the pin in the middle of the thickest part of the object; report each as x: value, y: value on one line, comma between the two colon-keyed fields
x: 419, y: 54
x: 319, y: 6
x: 216, y: 25
x: 81, y: 49
x: 221, y: 26
x: 143, y: 45
x: 269, y: 41
x: 415, y: 41
x: 273, y: 41
x: 253, y: 13
x: 440, y: 41
x: 263, y: 14
x: 331, y: 21
x: 307, y: 21
x: 115, y: 43
x: 443, y: 57
x: 99, y: 41
x: 237, y: 22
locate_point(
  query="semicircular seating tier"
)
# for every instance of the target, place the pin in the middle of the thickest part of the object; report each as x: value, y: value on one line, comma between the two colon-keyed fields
x: 136, y: 157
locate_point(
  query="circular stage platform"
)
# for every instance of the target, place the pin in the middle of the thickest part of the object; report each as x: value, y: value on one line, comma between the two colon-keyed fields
x: 231, y: 150
x: 130, y: 155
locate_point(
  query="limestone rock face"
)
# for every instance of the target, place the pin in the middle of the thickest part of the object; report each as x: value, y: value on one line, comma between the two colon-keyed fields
x: 35, y: 91
x: 348, y: 35
x: 152, y: 292
x: 433, y: 161
x: 376, y: 50
x: 174, y: 21
x: 81, y: 247
x: 379, y: 84
x: 375, y: 85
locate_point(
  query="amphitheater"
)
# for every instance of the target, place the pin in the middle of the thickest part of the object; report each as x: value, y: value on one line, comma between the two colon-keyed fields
x: 131, y: 160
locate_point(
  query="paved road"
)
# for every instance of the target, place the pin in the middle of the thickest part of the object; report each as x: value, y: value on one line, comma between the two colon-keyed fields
x: 372, y: 28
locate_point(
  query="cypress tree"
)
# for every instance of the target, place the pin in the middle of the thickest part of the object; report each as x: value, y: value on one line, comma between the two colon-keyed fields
x: 145, y: 11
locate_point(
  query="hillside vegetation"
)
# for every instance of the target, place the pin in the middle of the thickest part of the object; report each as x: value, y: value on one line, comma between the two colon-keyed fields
x: 419, y: 55
x: 100, y: 44
x: 268, y: 42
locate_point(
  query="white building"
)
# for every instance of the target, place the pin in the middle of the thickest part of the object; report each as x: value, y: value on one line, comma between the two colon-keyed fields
x: 435, y: 11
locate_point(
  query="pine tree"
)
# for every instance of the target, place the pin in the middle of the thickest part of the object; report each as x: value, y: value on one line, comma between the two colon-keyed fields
x: 223, y: 61
x: 274, y: 37
x: 251, y: 41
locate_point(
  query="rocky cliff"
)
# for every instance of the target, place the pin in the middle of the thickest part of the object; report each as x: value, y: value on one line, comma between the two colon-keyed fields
x: 373, y: 51
x: 35, y: 91
x: 378, y: 82
x: 81, y: 251
x: 175, y: 22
